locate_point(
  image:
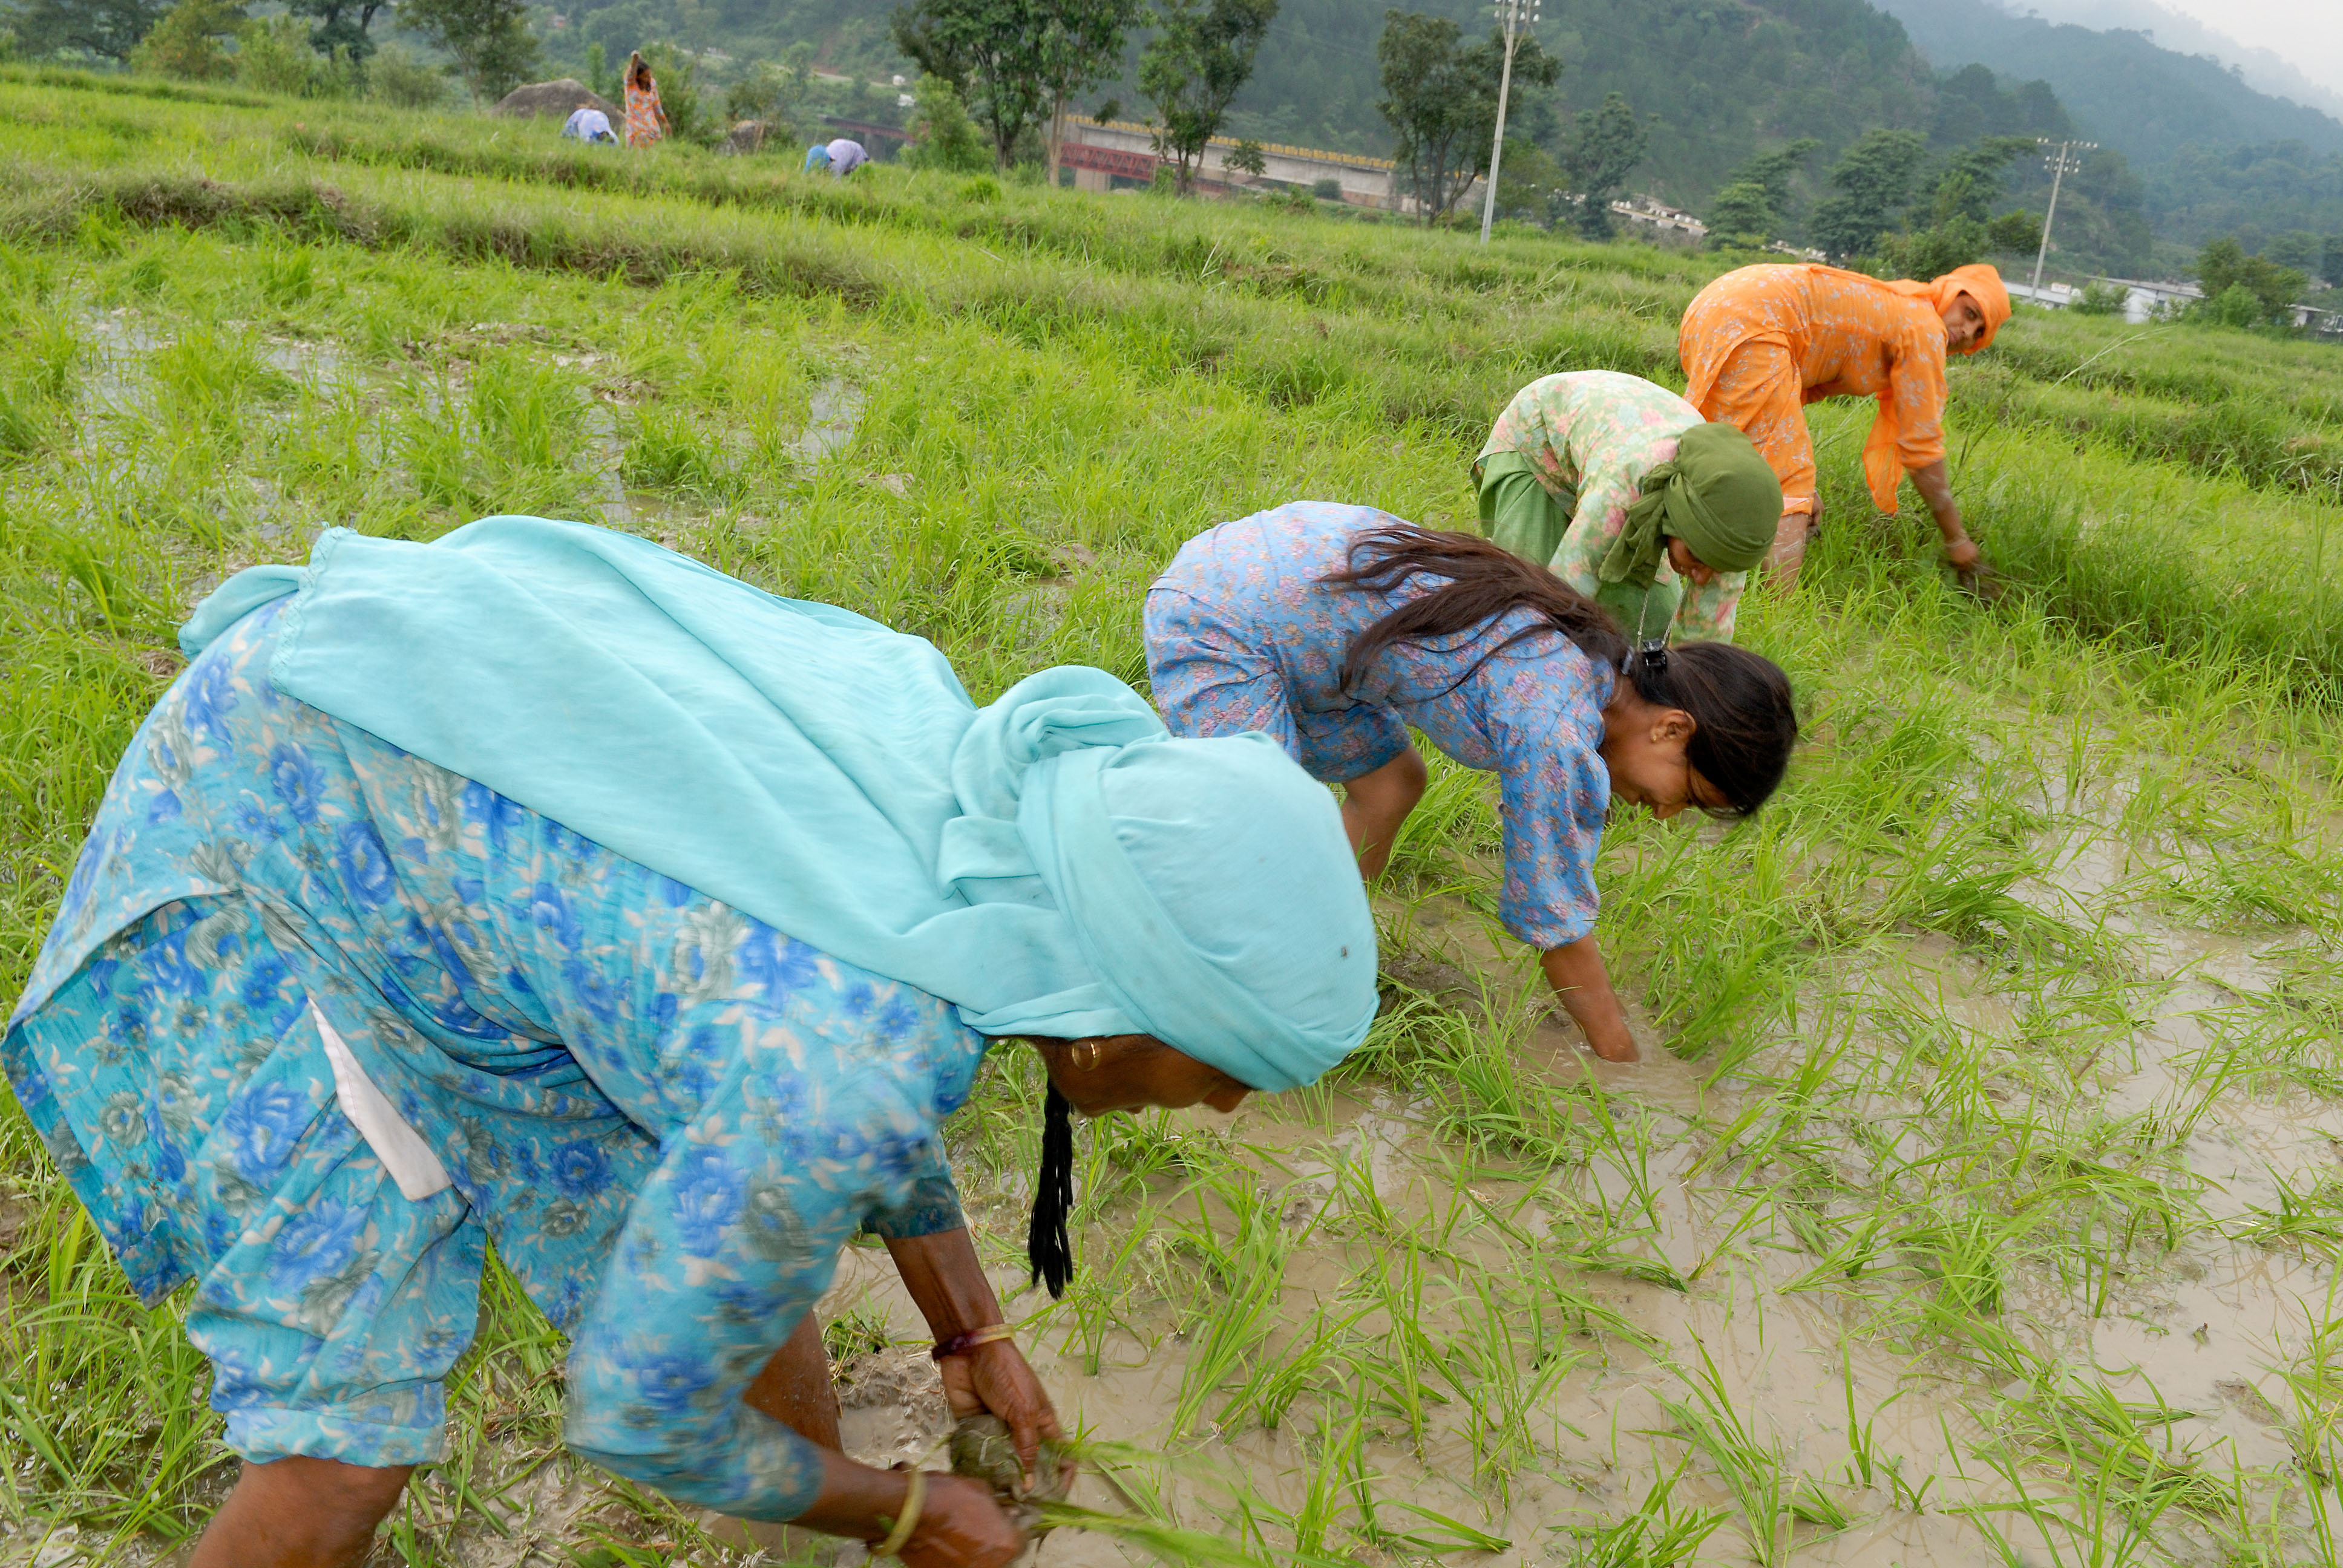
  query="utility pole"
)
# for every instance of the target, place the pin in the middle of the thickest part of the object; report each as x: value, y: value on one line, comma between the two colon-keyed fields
x: 1517, y: 16
x: 2060, y: 164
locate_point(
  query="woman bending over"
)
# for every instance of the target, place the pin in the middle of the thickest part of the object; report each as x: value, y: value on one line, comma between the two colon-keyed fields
x: 1333, y: 629
x: 543, y: 886
x: 1623, y: 491
x: 1762, y: 342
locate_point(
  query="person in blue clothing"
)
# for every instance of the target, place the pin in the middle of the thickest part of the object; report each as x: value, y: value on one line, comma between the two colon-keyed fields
x: 542, y: 887
x: 1333, y: 629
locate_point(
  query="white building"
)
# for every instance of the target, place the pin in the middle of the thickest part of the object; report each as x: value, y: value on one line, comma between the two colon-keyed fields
x: 1656, y: 215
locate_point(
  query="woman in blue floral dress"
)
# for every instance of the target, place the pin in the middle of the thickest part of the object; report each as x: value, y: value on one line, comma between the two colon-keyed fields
x: 1334, y: 628
x: 541, y: 887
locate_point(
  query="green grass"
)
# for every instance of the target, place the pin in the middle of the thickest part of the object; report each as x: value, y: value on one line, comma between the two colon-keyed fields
x: 2008, y: 1027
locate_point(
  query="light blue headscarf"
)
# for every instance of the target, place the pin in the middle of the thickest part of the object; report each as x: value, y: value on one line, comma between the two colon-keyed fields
x: 1053, y: 864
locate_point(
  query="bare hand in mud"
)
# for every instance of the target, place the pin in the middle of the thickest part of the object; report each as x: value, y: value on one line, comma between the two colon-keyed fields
x: 997, y: 1377
x: 1963, y: 555
x: 960, y: 1526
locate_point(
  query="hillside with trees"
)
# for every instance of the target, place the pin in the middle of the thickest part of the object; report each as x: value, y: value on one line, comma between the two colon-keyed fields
x: 2214, y: 154
x: 1765, y: 116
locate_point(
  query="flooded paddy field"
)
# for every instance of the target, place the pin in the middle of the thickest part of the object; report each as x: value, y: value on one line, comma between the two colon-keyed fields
x: 1979, y: 1199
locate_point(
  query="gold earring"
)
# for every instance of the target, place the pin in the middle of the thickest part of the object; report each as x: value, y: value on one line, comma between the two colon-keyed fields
x: 1086, y: 1054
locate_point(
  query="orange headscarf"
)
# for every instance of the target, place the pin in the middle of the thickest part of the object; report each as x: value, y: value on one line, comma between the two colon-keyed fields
x: 1980, y: 282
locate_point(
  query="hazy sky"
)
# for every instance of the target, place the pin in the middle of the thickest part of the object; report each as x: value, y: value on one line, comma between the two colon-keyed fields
x: 2306, y: 34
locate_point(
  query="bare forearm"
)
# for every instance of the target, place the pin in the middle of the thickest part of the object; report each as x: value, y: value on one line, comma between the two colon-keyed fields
x: 946, y: 1281
x: 855, y: 1498
x: 1578, y: 976
x: 1936, y: 488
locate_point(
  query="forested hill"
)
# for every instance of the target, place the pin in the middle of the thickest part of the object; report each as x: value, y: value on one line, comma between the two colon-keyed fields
x: 1722, y: 77
x: 2194, y: 152
x: 2119, y: 85
x: 2213, y: 154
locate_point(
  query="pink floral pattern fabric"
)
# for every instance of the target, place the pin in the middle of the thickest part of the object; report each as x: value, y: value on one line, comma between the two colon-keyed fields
x: 1595, y: 434
x: 1243, y: 634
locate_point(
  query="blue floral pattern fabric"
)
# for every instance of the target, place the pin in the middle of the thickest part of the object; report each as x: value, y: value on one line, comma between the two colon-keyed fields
x: 668, y: 1115
x: 1242, y: 633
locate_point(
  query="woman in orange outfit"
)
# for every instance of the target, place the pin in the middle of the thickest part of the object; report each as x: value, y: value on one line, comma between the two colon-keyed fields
x: 646, y: 120
x: 1761, y: 342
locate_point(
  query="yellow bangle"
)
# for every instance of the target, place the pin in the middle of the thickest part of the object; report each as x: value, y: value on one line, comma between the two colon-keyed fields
x: 960, y: 1344
x: 915, y: 1493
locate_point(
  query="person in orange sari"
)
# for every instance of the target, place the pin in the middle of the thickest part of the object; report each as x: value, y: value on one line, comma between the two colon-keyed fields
x: 1761, y: 342
x: 646, y: 120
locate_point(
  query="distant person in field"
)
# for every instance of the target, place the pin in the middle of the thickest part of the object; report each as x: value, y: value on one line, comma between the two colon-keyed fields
x: 841, y: 158
x: 646, y: 120
x: 432, y: 907
x: 1761, y: 342
x: 589, y: 125
x: 1623, y: 491
x: 1333, y: 629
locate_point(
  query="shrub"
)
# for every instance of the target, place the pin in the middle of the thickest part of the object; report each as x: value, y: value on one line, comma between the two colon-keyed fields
x: 1328, y: 189
x: 190, y: 42
x: 273, y: 56
x: 2223, y: 267
x: 2235, y: 305
x: 2099, y: 298
x: 678, y: 78
x: 942, y: 136
x: 394, y: 76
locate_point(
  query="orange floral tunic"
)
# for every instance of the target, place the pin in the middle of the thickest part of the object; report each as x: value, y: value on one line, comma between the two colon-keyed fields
x: 646, y: 116
x: 1761, y: 342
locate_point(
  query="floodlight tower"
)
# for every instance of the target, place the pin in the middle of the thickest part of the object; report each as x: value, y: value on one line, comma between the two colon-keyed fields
x: 1517, y: 16
x: 2060, y: 164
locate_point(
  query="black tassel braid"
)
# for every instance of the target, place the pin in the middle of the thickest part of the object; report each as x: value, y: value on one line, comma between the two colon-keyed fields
x: 1046, y: 1244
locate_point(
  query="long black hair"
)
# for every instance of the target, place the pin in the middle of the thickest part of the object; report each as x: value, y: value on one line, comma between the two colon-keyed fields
x: 1740, y: 701
x: 1047, y: 1246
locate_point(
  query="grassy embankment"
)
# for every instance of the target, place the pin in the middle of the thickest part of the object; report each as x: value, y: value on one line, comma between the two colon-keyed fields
x: 2003, y: 1048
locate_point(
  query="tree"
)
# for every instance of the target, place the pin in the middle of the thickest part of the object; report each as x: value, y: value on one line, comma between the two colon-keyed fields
x: 2231, y: 278
x: 189, y: 41
x: 341, y: 24
x: 1201, y: 53
x: 942, y: 136
x: 1531, y: 184
x: 1081, y: 46
x: 1755, y: 203
x: 1871, y: 183
x: 1440, y: 99
x: 1772, y: 172
x: 1015, y: 63
x: 778, y: 93
x: 1248, y: 159
x: 1428, y: 101
x: 1961, y: 228
x: 109, y: 28
x: 2330, y: 261
x: 1740, y: 215
x: 495, y: 50
x: 1603, y: 150
x: 678, y: 77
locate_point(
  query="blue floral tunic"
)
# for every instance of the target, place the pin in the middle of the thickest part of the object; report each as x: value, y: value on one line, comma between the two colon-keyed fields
x: 1242, y: 634
x: 667, y: 1116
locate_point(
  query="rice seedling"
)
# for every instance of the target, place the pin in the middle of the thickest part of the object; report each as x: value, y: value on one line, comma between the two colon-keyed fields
x: 1929, y: 1079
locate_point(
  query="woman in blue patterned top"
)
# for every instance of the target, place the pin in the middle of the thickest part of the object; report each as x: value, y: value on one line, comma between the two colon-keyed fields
x: 1333, y: 629
x: 540, y: 886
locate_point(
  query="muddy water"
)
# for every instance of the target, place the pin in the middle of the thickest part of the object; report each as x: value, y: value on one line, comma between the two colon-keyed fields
x: 2197, y: 1329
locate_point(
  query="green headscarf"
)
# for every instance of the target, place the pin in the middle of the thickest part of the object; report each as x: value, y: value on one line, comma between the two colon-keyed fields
x: 1718, y: 496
